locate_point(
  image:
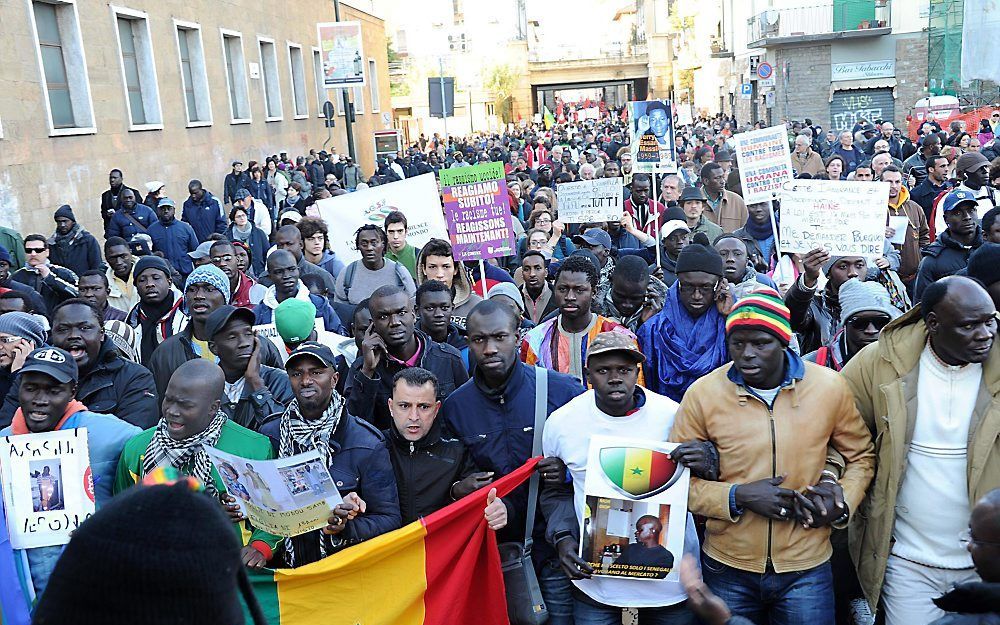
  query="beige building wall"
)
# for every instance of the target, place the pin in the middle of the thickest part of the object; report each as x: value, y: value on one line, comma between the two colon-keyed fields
x: 39, y: 171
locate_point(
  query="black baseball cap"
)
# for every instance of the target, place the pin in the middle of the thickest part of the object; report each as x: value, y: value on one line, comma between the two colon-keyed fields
x: 220, y: 317
x: 53, y: 362
x: 317, y: 350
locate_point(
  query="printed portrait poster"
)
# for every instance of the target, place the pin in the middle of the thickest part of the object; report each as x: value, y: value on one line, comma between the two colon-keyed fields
x: 48, y: 489
x: 287, y: 497
x: 477, y: 210
x: 635, y: 509
x: 651, y: 132
x: 340, y: 49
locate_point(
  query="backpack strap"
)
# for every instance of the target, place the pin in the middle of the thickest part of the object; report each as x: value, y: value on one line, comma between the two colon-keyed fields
x: 349, y: 279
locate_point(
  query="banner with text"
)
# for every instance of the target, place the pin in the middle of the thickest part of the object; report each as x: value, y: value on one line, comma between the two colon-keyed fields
x: 48, y: 489
x: 764, y: 162
x: 844, y: 218
x: 590, y: 200
x: 416, y: 197
x: 477, y: 209
x: 651, y: 130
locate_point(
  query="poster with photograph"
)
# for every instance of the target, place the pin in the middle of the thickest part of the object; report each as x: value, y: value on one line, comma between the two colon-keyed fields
x: 635, y: 509
x: 287, y: 497
x: 48, y: 489
x: 341, y: 52
x: 651, y: 131
x: 477, y: 210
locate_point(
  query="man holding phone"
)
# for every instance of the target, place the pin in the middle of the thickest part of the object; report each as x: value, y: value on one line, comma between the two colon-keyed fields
x: 20, y: 334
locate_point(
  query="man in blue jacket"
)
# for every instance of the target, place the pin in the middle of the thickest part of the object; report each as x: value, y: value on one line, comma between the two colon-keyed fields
x: 493, y: 414
x: 355, y: 452
x: 131, y: 217
x: 203, y: 211
x: 172, y: 237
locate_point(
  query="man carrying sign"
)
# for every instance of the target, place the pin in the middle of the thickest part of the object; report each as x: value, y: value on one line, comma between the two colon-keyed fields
x: 49, y: 379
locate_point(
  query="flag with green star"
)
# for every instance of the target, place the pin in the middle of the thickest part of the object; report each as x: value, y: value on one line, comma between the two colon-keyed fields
x: 637, y: 472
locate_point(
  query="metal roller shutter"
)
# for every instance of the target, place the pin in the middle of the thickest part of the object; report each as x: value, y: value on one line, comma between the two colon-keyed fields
x: 847, y: 107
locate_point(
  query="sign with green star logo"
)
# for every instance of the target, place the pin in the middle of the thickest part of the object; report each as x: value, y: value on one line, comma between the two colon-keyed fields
x: 638, y: 473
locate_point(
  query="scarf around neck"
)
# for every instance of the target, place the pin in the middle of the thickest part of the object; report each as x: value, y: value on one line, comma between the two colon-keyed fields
x: 186, y: 455
x: 681, y: 348
x: 759, y: 232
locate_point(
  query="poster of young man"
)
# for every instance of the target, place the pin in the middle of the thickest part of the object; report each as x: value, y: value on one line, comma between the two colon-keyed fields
x: 635, y: 509
x: 651, y: 126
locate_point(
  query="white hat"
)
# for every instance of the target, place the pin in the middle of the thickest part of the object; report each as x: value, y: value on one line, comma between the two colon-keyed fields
x: 673, y: 226
x: 154, y: 186
x: 294, y: 215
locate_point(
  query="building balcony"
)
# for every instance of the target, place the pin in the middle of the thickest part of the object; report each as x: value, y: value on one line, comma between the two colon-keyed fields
x: 836, y: 19
x: 621, y: 52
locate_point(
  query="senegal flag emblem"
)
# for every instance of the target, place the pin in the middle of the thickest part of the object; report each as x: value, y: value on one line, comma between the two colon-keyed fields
x: 638, y: 473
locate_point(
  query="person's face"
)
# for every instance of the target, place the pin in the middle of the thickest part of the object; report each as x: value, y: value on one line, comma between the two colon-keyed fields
x: 397, y: 235
x: 4, y: 270
x: 315, y: 244
x: 153, y: 286
x: 115, y: 179
x: 835, y: 169
x: 237, y: 168
x: 9, y: 341
x: 440, y: 268
x: 962, y: 220
x: 693, y: 209
x: 758, y: 212
x: 435, y: 312
x: 627, y: 296
x: 493, y: 343
x: 963, y: 325
x: 974, y: 179
x: 43, y: 400
x: 734, y: 259
x: 715, y: 180
x: 224, y: 257
x: 597, y: 250
x: 881, y: 146
x: 573, y: 294
x: 543, y: 221
x: 862, y: 329
x: 611, y: 170
x: 887, y: 129
x: 202, y: 300
x: 864, y: 174
x: 613, y: 375
x: 659, y: 123
x: 846, y: 139
x: 984, y: 542
x: 801, y: 145
x: 758, y: 356
x: 515, y: 190
x: 413, y: 409
x: 537, y: 241
x: 964, y: 142
x: 290, y: 241
x: 831, y: 137
x: 284, y: 273
x: 234, y: 344
x: 895, y: 180
x: 165, y: 213
x: 63, y: 225
x: 92, y: 289
x: 242, y: 258
x: 36, y: 252
x: 640, y: 191
x: 370, y: 246
x: 362, y: 319
x: 669, y: 190
x: 312, y: 382
x: 241, y: 219
x: 187, y: 413
x: 626, y: 160
x: 696, y: 291
x: 330, y: 180
x: 75, y: 330
x: 128, y: 199
x: 845, y: 269
x: 646, y: 533
x: 674, y: 242
x: 196, y: 192
x: 533, y: 271
x: 393, y: 319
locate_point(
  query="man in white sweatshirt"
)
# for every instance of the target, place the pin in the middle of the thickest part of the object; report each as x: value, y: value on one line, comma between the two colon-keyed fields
x: 615, y: 406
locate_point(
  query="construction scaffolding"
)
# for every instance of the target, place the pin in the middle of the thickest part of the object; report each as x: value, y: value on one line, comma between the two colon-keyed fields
x: 944, y: 49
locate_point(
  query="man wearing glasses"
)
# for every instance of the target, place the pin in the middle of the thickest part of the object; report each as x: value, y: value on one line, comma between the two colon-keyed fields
x: 55, y: 284
x: 243, y: 291
x: 865, y: 308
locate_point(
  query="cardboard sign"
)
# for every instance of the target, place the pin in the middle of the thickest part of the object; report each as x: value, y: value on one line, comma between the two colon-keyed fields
x: 287, y: 497
x: 651, y: 129
x: 764, y: 162
x: 477, y: 210
x: 48, y: 489
x: 635, y: 513
x: 844, y: 218
x: 590, y: 200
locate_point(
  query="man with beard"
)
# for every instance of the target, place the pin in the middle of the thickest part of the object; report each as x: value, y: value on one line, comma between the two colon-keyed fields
x: 159, y: 314
x: 537, y: 295
x: 93, y: 287
x: 632, y: 295
x: 123, y: 295
x: 112, y: 200
x: 130, y: 218
x: 865, y: 308
x: 243, y: 291
x: 49, y: 381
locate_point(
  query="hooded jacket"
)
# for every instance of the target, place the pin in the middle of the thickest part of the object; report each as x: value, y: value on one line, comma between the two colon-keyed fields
x: 463, y: 298
x: 77, y: 251
x: 883, y: 378
x: 205, y: 216
x: 264, y: 311
x: 175, y: 240
x: 944, y: 257
x: 918, y: 235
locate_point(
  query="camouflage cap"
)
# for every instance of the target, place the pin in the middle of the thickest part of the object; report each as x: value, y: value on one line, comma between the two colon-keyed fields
x: 606, y: 342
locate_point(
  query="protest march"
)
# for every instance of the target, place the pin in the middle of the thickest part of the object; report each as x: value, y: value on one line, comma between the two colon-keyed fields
x: 623, y: 363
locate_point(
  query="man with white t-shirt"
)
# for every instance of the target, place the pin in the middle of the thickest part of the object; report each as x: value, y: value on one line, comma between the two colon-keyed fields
x: 616, y: 406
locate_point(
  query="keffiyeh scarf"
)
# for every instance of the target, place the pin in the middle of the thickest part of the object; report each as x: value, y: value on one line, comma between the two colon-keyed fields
x: 186, y: 455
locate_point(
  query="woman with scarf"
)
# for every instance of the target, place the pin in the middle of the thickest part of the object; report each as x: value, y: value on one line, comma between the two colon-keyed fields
x: 687, y: 339
x: 242, y: 230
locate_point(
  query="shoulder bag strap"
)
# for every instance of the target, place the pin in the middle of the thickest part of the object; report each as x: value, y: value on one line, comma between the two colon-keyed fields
x: 541, y: 406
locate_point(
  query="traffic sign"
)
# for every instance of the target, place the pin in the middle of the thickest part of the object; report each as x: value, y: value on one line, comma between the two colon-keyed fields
x: 765, y: 70
x: 754, y: 61
x: 746, y: 89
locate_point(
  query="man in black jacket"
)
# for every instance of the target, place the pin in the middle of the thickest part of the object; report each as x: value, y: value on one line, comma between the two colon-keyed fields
x: 108, y: 383
x: 111, y: 199
x: 949, y: 253
x: 73, y: 247
x: 432, y: 470
x: 390, y: 345
x: 54, y: 283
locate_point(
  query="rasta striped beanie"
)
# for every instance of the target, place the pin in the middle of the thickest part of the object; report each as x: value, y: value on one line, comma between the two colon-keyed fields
x: 762, y: 310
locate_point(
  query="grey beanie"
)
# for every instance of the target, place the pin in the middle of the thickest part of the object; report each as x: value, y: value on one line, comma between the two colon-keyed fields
x: 856, y: 296
x: 24, y: 325
x: 830, y: 263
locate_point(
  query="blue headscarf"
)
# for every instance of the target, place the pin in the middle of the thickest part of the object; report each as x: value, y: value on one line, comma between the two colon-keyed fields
x: 680, y: 349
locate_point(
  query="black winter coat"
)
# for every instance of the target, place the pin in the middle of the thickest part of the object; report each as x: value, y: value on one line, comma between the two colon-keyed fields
x: 944, y: 257
x: 59, y: 286
x: 80, y: 253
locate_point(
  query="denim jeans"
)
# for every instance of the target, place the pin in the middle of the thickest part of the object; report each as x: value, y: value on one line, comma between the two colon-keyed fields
x: 774, y: 598
x: 586, y: 613
x: 557, y: 591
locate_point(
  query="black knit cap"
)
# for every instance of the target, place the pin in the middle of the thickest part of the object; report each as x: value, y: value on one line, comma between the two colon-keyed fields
x: 984, y: 264
x: 697, y: 257
x: 154, y: 555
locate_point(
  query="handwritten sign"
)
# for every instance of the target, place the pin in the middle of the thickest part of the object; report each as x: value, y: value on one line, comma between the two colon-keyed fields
x: 590, y: 200
x: 477, y: 210
x: 48, y: 489
x: 844, y: 218
x: 764, y: 162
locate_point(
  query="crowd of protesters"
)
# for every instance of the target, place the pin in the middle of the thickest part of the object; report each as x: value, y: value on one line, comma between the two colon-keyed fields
x: 840, y: 415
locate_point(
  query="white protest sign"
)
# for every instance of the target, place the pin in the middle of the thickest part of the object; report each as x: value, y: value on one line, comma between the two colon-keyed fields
x: 844, y: 218
x: 417, y: 198
x: 764, y: 162
x: 287, y: 497
x: 48, y: 489
x: 590, y: 200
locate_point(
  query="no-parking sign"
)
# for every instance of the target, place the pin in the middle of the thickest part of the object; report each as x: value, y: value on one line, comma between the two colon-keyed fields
x: 765, y: 70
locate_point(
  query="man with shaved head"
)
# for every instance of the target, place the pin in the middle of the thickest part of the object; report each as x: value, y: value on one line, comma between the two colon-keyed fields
x: 289, y: 238
x: 929, y: 391
x: 192, y: 419
x: 647, y: 551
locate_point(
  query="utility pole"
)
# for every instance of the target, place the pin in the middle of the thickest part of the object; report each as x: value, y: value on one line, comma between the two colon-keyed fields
x: 444, y: 106
x: 348, y: 121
